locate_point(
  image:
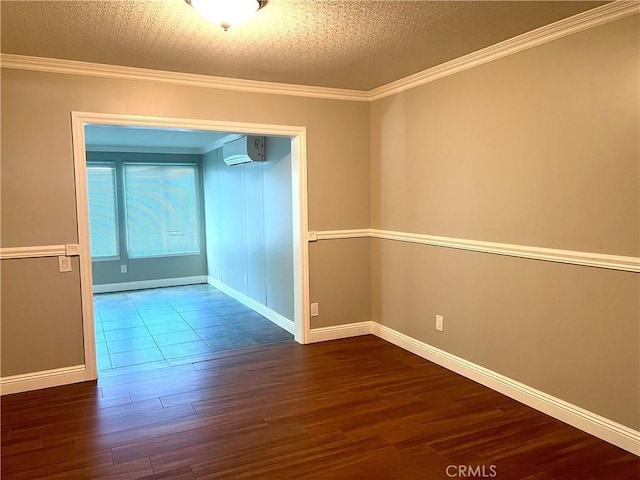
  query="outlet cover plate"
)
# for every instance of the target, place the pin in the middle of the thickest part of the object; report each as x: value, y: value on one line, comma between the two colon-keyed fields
x: 64, y: 263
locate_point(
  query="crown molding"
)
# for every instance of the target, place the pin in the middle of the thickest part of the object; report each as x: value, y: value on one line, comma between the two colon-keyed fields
x: 73, y: 67
x: 562, y: 28
x: 591, y: 18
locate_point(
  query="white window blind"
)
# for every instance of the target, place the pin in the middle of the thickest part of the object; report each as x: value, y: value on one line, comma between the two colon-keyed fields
x: 103, y: 211
x: 161, y: 209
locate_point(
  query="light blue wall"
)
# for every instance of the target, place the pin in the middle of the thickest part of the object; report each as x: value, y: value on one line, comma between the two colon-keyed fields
x: 278, y: 227
x: 141, y: 269
x: 248, y: 214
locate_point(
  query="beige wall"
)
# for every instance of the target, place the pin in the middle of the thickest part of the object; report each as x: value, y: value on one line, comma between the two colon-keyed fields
x: 37, y: 159
x: 38, y: 205
x: 40, y: 312
x: 538, y: 148
x: 541, y: 149
x: 341, y: 281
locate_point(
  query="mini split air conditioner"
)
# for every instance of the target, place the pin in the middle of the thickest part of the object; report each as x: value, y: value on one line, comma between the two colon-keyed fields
x: 246, y: 149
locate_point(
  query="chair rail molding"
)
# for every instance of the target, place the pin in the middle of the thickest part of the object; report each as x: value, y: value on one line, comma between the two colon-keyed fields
x: 8, y: 253
x: 574, y: 257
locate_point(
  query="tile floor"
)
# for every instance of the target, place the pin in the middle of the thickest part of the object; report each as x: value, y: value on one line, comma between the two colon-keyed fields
x: 175, y: 325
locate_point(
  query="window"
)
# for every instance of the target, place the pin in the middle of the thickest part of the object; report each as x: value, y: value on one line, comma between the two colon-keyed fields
x: 103, y: 215
x: 161, y: 209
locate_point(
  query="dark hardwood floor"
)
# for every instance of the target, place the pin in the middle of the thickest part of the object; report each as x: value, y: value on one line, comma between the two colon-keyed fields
x: 357, y: 408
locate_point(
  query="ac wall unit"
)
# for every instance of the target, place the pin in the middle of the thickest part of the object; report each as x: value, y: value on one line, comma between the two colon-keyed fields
x: 245, y: 149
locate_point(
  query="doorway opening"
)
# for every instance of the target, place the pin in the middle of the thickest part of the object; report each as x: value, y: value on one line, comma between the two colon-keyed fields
x: 217, y: 287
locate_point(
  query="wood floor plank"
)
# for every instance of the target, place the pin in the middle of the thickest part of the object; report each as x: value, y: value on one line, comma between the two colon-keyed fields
x: 12, y: 446
x: 77, y: 418
x: 388, y: 464
x: 125, y: 471
x: 147, y: 433
x: 47, y: 462
x: 168, y: 443
x: 182, y: 473
x: 312, y: 455
x: 350, y: 409
x: 243, y: 443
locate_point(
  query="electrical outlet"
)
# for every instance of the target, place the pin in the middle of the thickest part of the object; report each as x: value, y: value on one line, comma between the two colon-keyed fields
x: 123, y: 269
x: 314, y: 310
x: 440, y: 323
x: 64, y: 264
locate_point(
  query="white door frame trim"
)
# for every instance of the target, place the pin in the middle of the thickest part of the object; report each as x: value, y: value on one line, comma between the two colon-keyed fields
x: 298, y: 136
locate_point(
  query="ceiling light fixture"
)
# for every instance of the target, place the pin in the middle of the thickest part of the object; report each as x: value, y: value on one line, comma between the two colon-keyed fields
x: 227, y: 13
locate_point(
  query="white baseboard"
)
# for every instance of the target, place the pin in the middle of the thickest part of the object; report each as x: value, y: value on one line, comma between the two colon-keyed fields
x: 596, y: 425
x: 43, y: 379
x: 144, y: 284
x: 603, y: 428
x: 254, y: 305
x: 339, y: 331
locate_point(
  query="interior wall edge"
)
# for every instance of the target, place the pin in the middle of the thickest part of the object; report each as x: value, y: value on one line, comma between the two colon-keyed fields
x: 574, y: 257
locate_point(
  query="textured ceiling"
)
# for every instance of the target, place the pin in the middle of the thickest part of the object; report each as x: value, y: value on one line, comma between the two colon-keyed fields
x: 359, y: 44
